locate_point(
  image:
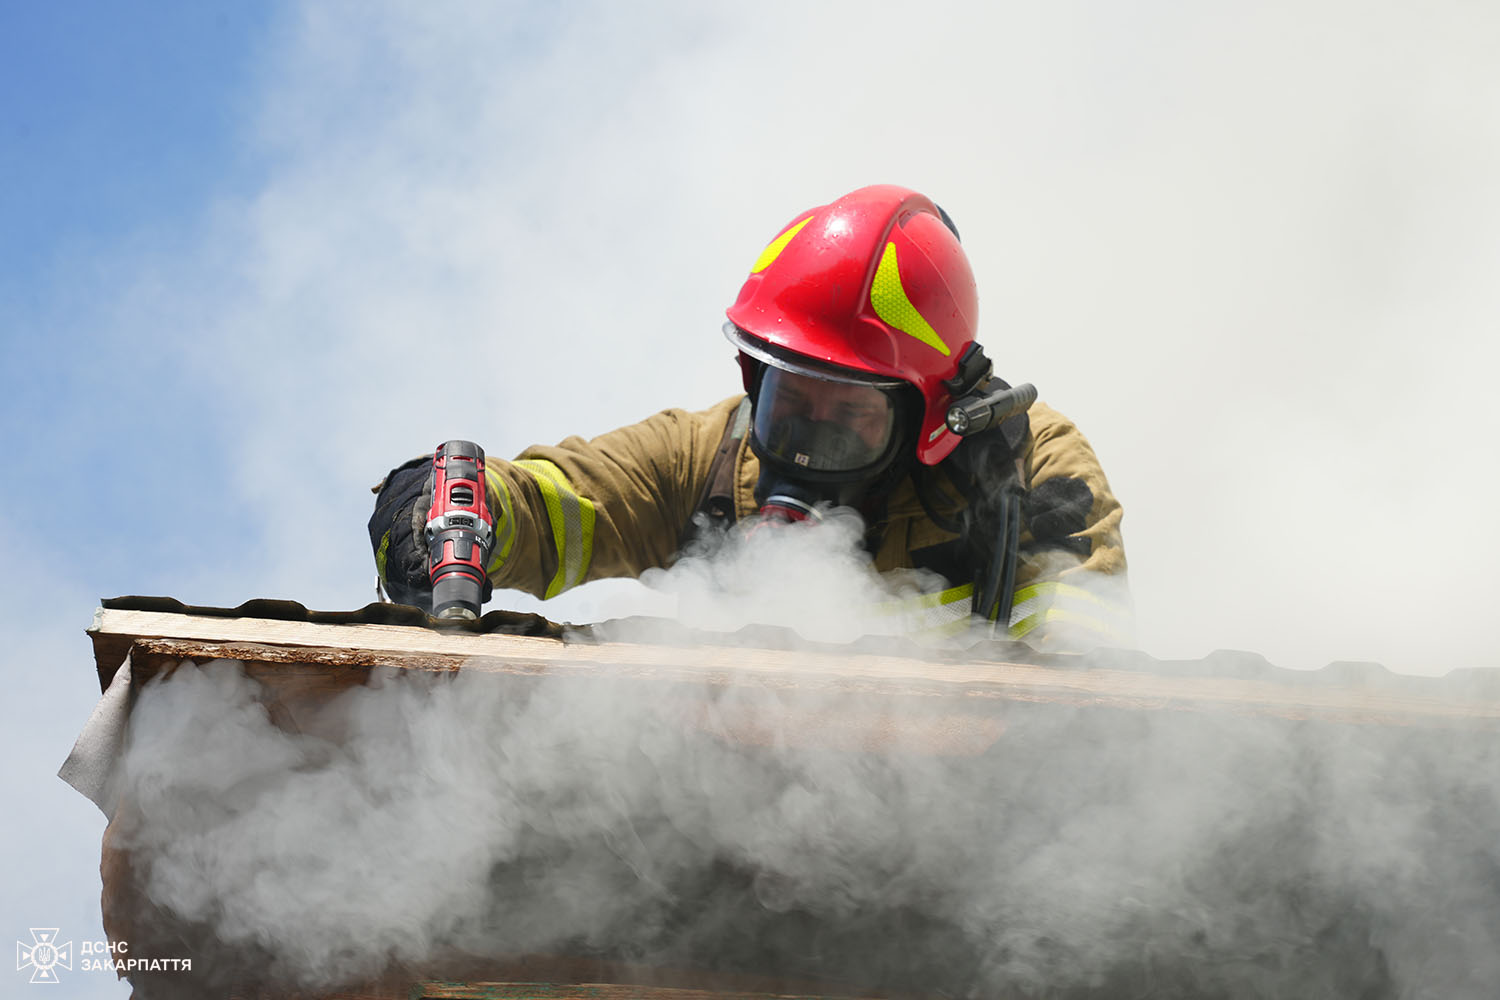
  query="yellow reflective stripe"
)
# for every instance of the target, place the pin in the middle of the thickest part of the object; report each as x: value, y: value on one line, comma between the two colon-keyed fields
x: 1066, y: 591
x: 505, y: 518
x: 928, y: 614
x: 380, y: 553
x: 772, y: 251
x: 1020, y: 629
x: 572, y: 519
x: 895, y: 309
x: 948, y: 596
x: 1048, y: 601
x: 954, y: 594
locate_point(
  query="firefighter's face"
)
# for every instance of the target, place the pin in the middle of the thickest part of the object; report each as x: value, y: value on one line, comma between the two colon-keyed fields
x: 821, y: 425
x: 863, y: 409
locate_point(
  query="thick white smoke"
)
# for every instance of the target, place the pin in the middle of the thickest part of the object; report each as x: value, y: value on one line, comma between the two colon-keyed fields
x: 1086, y: 852
x: 814, y: 578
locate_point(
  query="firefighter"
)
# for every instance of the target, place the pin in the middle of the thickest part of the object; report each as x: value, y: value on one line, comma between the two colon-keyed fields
x: 856, y: 335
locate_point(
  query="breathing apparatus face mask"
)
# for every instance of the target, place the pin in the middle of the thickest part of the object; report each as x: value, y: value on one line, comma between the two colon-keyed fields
x: 822, y: 439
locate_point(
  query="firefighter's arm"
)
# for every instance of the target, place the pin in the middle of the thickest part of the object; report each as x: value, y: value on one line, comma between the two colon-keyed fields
x: 1071, y: 586
x: 612, y: 506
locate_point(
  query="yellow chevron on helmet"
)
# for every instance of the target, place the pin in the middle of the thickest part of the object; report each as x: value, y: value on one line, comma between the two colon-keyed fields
x: 895, y: 309
x: 771, y: 252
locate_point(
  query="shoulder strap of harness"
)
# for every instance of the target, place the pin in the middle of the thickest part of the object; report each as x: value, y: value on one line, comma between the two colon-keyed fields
x: 717, y: 499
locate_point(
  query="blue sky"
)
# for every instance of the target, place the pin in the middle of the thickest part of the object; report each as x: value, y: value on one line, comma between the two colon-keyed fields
x: 1223, y: 239
x: 121, y: 123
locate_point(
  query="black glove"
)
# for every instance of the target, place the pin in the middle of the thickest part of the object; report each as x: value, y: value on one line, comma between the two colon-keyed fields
x: 398, y: 532
x: 1057, y: 509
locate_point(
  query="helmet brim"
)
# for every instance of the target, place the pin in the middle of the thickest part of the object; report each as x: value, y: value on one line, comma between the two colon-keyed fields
x: 800, y: 365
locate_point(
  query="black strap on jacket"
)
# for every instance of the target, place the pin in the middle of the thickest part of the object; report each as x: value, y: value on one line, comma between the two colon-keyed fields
x: 983, y: 468
x: 717, y: 500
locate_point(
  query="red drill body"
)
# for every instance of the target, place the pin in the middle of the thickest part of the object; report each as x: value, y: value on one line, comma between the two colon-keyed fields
x: 460, y: 530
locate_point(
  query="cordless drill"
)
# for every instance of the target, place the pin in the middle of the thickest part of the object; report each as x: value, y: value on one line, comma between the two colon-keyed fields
x: 460, y: 531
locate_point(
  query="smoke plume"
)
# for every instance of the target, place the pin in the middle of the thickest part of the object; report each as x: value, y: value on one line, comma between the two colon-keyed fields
x: 424, y: 819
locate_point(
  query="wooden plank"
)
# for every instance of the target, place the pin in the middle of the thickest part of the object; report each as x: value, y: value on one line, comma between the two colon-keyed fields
x: 814, y: 670
x: 300, y: 680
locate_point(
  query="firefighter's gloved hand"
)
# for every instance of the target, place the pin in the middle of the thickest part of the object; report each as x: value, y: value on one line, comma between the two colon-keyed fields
x: 398, y: 532
x: 1057, y: 509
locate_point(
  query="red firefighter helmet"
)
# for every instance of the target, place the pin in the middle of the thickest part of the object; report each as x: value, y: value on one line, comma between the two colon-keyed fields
x: 874, y: 285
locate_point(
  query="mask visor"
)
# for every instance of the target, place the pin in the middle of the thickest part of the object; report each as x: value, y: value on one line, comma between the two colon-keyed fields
x: 823, y: 425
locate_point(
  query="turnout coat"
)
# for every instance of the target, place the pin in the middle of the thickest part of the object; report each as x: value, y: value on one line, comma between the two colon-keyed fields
x: 627, y: 501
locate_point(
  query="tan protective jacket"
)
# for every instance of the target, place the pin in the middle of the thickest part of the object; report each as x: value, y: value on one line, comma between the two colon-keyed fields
x: 622, y: 503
